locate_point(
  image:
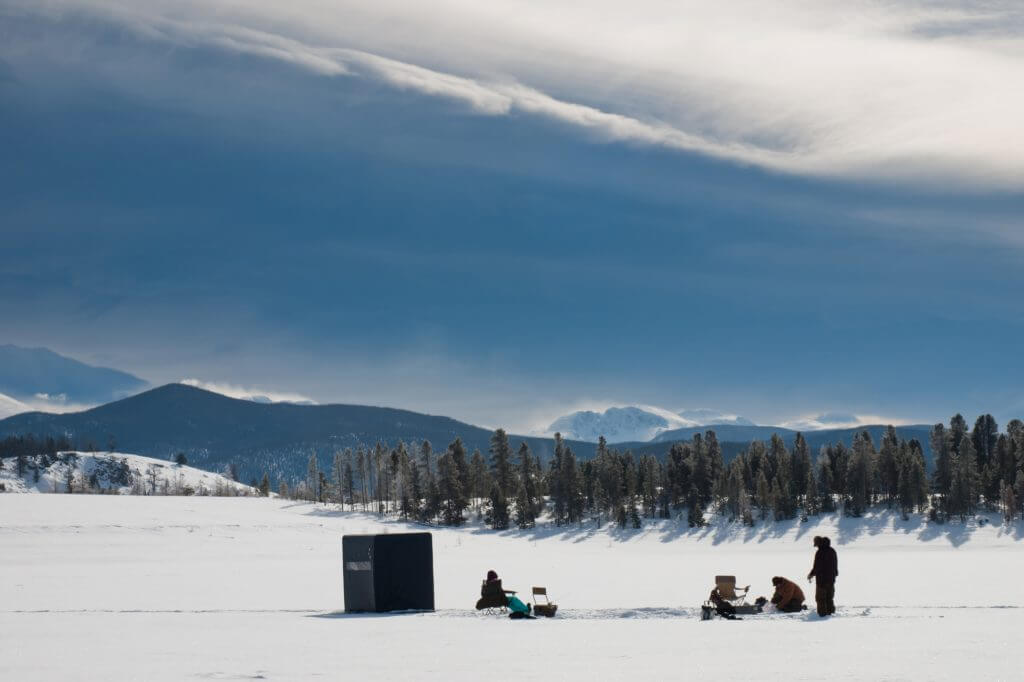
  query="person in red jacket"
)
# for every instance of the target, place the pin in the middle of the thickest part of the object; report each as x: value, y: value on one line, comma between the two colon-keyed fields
x: 788, y: 597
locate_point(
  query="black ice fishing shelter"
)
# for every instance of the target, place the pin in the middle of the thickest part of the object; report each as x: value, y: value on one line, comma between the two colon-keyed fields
x: 393, y: 572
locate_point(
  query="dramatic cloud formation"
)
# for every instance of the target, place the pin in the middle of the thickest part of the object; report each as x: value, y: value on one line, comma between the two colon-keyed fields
x: 917, y: 91
x: 493, y: 210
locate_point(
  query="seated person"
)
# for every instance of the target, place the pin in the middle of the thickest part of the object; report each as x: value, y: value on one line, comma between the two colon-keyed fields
x: 788, y: 597
x: 492, y: 595
x: 722, y: 606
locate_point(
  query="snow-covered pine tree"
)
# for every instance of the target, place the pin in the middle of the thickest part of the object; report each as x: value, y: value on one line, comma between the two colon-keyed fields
x: 919, y: 475
x: 631, y: 484
x: 556, y: 482
x: 812, y: 501
x: 379, y: 453
x: 452, y: 498
x: 1009, y: 502
x: 984, y: 437
x: 362, y: 468
x: 1005, y: 463
x: 825, y: 486
x: 401, y: 479
x: 700, y: 470
x: 942, y: 477
x: 764, y: 495
x: 963, y: 493
x: 501, y: 463
x: 497, y: 513
x: 323, y: 488
x: 458, y: 450
x: 746, y: 511
x: 734, y: 488
x: 651, y: 482
x: 714, y: 455
x: 347, y: 479
x: 801, y: 467
x: 888, y: 470
x: 337, y: 475
x: 312, y: 475
x: 479, y: 483
x: 527, y: 499
x: 393, y: 486
x: 427, y: 466
x: 695, y: 509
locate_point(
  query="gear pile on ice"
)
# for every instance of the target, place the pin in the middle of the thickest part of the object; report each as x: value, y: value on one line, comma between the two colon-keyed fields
x: 495, y: 597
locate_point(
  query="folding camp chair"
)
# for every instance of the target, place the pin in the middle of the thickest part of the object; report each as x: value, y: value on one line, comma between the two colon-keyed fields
x: 547, y: 609
x: 493, y: 597
x: 726, y: 585
x: 735, y: 600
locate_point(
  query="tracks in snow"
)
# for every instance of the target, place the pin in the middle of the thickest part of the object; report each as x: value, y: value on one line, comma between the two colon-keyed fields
x: 645, y: 613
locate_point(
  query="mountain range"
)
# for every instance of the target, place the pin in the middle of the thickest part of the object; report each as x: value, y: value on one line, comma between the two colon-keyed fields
x: 214, y: 431
x: 259, y: 434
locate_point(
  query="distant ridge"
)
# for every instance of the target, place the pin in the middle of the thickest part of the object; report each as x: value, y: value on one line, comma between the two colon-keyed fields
x: 28, y: 374
x: 214, y: 430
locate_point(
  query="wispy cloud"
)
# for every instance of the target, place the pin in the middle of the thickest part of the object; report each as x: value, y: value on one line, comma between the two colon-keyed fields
x: 259, y: 395
x: 10, y: 406
x: 916, y: 91
x: 832, y: 420
x: 41, y: 402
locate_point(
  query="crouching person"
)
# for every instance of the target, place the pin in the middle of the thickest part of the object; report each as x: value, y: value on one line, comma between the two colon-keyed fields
x: 788, y: 597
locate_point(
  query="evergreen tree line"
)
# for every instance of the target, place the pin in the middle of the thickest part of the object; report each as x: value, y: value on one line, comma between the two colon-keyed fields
x: 973, y: 469
x: 31, y: 445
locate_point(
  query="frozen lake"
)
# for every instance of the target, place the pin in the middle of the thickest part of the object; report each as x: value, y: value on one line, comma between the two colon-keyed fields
x: 119, y: 587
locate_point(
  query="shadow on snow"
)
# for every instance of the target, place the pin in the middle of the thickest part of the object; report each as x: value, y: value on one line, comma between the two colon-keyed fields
x: 843, y: 529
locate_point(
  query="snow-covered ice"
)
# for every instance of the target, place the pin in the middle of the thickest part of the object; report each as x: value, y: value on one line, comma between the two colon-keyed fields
x: 171, y: 588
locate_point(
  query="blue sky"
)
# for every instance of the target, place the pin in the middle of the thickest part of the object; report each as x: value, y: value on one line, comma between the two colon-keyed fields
x: 506, y: 213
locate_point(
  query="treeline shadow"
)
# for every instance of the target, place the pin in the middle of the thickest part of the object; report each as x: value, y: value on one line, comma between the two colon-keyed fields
x: 843, y: 529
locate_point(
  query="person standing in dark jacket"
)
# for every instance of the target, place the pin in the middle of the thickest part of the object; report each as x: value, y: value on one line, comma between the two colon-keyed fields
x: 825, y: 572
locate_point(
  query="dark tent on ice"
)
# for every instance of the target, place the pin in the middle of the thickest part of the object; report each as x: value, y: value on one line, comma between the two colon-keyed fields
x: 393, y: 572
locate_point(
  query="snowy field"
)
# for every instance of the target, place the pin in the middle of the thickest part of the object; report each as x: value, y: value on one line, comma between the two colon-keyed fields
x: 177, y: 588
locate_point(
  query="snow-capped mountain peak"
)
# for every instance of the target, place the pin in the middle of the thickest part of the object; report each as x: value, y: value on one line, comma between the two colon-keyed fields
x: 631, y: 423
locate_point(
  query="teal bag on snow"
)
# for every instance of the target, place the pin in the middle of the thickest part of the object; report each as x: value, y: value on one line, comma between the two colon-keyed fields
x: 516, y: 605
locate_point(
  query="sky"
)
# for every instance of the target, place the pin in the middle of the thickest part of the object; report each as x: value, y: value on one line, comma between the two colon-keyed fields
x: 506, y: 211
